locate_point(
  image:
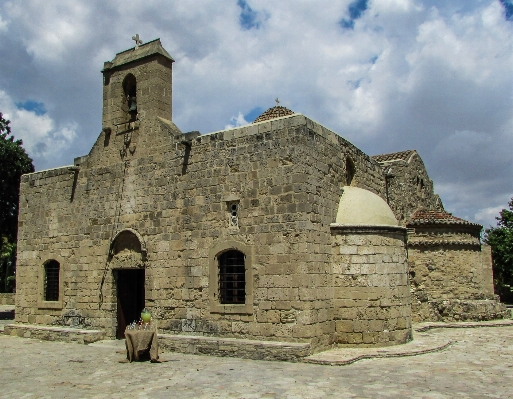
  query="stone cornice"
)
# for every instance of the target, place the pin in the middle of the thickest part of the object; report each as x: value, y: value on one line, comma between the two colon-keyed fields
x: 432, y: 243
x: 365, y: 229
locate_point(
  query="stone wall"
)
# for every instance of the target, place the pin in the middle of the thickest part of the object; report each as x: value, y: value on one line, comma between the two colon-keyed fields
x: 371, y: 287
x: 286, y: 176
x: 487, y: 270
x: 451, y: 276
x: 7, y: 299
x: 409, y: 187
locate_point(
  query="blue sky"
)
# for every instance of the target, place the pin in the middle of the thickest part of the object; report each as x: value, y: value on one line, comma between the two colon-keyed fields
x: 388, y: 75
x: 508, y: 9
x: 249, y: 18
x: 32, y: 106
x: 354, y: 11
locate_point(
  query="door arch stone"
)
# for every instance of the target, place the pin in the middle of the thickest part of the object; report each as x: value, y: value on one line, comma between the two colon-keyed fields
x: 127, y: 250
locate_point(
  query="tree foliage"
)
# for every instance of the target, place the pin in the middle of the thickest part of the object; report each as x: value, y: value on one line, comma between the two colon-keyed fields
x: 7, y: 265
x: 14, y: 162
x: 500, y: 238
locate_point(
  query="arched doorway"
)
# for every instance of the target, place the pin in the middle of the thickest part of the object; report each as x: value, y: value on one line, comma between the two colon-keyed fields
x: 127, y: 258
x: 130, y: 297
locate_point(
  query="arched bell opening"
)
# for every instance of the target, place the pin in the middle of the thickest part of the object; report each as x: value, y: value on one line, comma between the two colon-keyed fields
x: 130, y: 96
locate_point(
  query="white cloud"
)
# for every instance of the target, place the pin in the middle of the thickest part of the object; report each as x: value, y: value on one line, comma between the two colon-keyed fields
x: 51, y: 29
x: 487, y: 216
x: 472, y: 45
x: 3, y: 24
x: 395, y: 6
x: 237, y: 121
x: 41, y: 138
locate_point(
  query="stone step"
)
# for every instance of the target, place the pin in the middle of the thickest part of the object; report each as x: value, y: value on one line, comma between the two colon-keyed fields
x: 235, y: 347
x: 193, y: 344
x: 54, y: 333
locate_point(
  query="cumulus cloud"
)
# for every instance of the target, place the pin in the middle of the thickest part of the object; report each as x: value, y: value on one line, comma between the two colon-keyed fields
x: 397, y: 74
x: 50, y: 30
x: 42, y: 139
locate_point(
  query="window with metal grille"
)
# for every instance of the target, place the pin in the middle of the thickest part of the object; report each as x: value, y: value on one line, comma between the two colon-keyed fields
x: 232, y: 277
x: 52, y: 280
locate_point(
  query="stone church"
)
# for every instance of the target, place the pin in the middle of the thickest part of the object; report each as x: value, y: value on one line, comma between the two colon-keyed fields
x: 280, y: 237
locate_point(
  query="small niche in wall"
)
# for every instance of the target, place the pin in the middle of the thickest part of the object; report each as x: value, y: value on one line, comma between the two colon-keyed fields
x: 106, y: 139
x: 350, y: 171
x: 420, y: 186
x: 233, y: 213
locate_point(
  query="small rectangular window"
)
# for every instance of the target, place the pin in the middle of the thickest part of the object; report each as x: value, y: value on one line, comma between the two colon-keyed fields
x: 51, y: 287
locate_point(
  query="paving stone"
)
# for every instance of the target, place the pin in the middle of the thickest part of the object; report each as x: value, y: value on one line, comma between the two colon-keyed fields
x: 477, y: 364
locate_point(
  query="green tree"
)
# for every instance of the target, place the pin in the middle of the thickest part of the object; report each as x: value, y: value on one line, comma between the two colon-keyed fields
x: 14, y: 162
x: 500, y: 238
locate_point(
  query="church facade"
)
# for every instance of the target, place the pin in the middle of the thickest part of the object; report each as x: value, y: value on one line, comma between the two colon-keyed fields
x: 281, y: 230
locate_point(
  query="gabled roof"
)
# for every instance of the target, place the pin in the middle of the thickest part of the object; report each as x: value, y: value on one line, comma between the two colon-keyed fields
x: 273, y: 113
x: 133, y: 54
x: 427, y: 217
x: 394, y: 156
x: 170, y: 126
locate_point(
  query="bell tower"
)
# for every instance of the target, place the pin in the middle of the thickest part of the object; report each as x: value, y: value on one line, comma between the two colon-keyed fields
x: 137, y: 86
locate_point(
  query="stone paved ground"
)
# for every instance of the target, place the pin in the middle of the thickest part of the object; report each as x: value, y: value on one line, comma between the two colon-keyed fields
x: 479, y: 364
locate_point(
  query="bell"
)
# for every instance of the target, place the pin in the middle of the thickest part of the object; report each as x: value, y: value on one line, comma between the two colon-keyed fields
x: 133, y: 107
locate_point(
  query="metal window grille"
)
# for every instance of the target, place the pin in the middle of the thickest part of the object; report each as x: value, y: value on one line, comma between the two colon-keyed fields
x: 52, y: 281
x: 232, y: 277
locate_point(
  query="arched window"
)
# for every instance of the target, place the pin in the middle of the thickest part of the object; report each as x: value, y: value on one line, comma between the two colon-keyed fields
x: 350, y: 171
x: 232, y: 277
x: 51, y: 280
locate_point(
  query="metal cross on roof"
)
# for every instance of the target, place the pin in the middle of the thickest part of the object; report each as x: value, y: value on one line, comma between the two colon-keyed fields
x: 137, y: 41
x: 277, y: 101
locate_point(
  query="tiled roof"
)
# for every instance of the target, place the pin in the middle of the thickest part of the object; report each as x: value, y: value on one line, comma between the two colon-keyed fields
x: 274, y: 112
x: 394, y: 156
x: 425, y: 217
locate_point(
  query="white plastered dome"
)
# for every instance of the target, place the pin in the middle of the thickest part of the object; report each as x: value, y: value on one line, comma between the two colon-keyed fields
x: 359, y: 207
